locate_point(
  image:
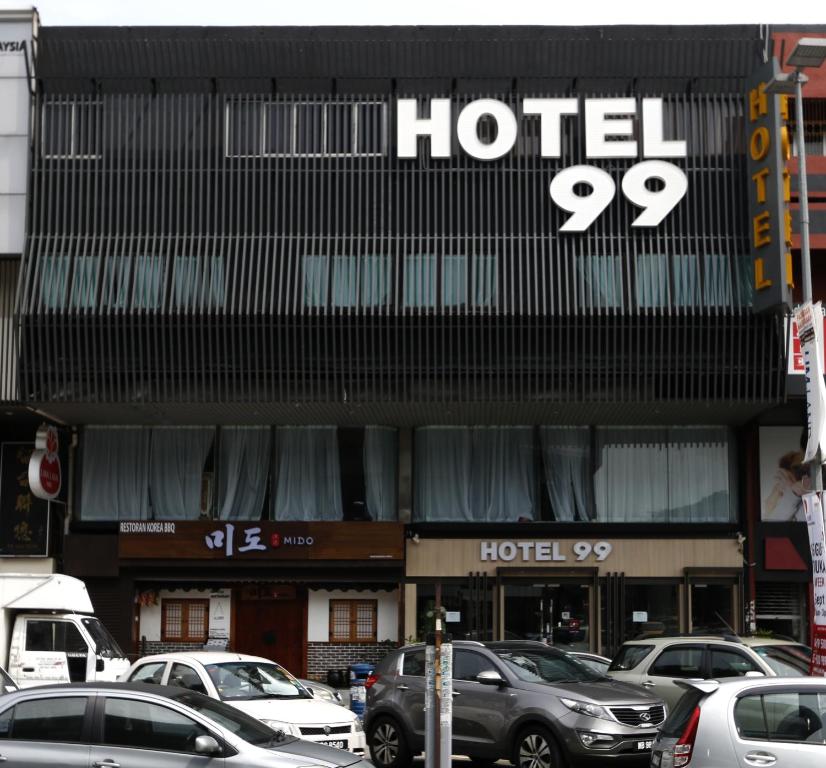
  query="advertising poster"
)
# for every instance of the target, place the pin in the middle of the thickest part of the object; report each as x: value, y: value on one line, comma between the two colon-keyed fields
x: 784, y: 477
x: 24, y: 519
x: 817, y: 545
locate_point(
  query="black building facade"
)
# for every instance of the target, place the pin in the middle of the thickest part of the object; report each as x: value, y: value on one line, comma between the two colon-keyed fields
x: 267, y: 325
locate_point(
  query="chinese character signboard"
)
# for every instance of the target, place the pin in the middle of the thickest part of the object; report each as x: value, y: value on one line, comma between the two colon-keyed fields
x: 24, y: 518
x: 813, y: 508
x: 769, y: 184
x: 239, y: 540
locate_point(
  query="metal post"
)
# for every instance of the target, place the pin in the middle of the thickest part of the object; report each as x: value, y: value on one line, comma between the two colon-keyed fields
x: 815, y: 468
x: 437, y: 709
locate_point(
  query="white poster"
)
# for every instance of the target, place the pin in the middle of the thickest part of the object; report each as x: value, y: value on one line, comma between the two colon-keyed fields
x: 784, y: 478
x: 811, y: 344
x: 817, y: 545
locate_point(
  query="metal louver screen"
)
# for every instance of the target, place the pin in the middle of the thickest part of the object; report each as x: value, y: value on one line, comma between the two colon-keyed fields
x: 776, y: 600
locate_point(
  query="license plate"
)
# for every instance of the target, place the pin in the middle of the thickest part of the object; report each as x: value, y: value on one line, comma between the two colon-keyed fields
x: 339, y: 743
x: 645, y: 745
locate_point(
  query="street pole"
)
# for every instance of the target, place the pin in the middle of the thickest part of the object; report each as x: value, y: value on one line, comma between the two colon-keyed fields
x: 437, y: 709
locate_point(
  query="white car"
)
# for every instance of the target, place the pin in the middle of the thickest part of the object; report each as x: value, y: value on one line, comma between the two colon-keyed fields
x: 259, y: 687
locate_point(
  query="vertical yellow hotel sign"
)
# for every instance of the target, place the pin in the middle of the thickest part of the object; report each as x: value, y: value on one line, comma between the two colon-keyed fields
x: 770, y: 220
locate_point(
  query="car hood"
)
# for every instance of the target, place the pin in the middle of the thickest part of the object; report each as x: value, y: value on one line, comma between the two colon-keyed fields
x: 605, y: 692
x: 298, y: 711
x: 316, y: 754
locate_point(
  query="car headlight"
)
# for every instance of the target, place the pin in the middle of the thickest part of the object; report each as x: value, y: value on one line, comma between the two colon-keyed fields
x: 321, y: 693
x: 584, y: 708
x: 289, y: 728
x: 358, y: 726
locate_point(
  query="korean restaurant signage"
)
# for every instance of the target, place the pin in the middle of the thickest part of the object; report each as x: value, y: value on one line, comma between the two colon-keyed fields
x: 813, y: 508
x: 544, y: 551
x: 654, y: 184
x: 24, y: 518
x: 240, y: 540
x: 44, y: 465
x: 770, y: 220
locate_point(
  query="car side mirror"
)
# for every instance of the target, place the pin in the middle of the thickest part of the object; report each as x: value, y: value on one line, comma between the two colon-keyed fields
x: 490, y: 677
x: 207, y: 745
x: 754, y: 673
x: 99, y: 664
x: 310, y: 690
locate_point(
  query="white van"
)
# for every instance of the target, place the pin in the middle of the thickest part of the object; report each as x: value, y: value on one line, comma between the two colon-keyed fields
x: 49, y: 635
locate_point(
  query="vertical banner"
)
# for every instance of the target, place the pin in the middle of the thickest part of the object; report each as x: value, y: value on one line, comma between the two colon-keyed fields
x: 811, y: 344
x: 446, y: 704
x: 24, y: 519
x: 813, y: 509
x: 430, y: 702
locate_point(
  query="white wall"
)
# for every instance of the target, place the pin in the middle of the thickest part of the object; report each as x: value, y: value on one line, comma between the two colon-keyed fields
x: 220, y: 610
x: 318, y: 612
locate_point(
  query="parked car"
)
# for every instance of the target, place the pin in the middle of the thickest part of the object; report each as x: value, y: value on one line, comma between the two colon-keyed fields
x: 259, y: 687
x: 594, y: 661
x: 76, y: 725
x: 745, y: 722
x: 323, y: 691
x: 518, y: 700
x: 657, y: 663
x: 7, y: 685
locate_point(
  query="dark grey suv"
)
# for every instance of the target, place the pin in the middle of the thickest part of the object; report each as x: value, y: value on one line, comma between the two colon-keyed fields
x: 523, y: 701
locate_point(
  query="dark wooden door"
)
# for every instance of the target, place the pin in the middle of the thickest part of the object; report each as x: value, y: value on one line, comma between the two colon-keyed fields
x: 274, y: 629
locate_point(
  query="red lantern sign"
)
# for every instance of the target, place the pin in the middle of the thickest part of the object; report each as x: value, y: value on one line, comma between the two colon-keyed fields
x: 44, y: 465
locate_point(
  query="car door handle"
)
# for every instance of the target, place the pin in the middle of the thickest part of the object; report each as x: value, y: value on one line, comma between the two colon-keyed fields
x: 28, y: 669
x: 107, y: 763
x: 648, y: 684
x: 760, y: 758
x: 3, y: 758
x: 456, y: 693
x: 402, y: 687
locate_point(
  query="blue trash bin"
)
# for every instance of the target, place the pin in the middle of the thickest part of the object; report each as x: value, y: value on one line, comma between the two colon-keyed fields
x: 358, y: 693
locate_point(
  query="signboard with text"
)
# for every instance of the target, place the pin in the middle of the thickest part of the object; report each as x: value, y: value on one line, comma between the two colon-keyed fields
x: 261, y: 539
x: 24, y: 518
x: 813, y: 509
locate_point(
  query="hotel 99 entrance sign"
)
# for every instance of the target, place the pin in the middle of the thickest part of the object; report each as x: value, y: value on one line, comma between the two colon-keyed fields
x: 770, y: 220
x: 653, y: 184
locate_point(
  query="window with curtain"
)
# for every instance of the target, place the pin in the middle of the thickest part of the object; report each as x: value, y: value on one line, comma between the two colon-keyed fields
x: 664, y: 475
x: 132, y: 282
x: 568, y: 481
x: 307, y: 474
x: 600, y: 280
x: 316, y: 278
x: 361, y: 281
x: 177, y: 462
x: 474, y: 474
x: 651, y: 280
x: 381, y: 472
x: 198, y: 281
x: 114, y: 477
x: 420, y: 280
x: 243, y: 472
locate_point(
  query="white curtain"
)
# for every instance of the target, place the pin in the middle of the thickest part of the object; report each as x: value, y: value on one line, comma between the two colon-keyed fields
x: 566, y: 457
x: 308, y: 476
x: 243, y: 470
x: 381, y: 452
x: 176, y: 471
x: 677, y: 475
x: 479, y: 474
x: 115, y: 474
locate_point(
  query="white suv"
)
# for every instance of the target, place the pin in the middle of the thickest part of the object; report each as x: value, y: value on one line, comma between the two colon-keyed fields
x: 659, y: 662
x: 744, y: 723
x: 259, y: 687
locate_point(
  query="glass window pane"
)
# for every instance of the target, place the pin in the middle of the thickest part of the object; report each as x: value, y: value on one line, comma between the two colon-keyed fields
x: 749, y: 718
x: 64, y: 716
x: 140, y: 724
x: 414, y: 663
x: 712, y: 608
x: 345, y: 281
x: 54, y: 281
x: 308, y: 129
x: 339, y: 620
x: 793, y: 717
x: 244, y: 120
x: 376, y: 273
x: 316, y: 278
x: 370, y: 128
x: 716, y: 280
x: 651, y: 609
x: 420, y: 281
x: 600, y: 280
x: 678, y: 662
x: 485, y: 280
x: 466, y: 665
x: 279, y: 129
x: 727, y: 663
x: 199, y: 282
x: 651, y: 271
x: 84, y: 282
x: 184, y: 676
x: 339, y: 129
x: 454, y: 280
x: 365, y: 621
x: 149, y: 673
x: 5, y: 723
x: 686, y: 270
x: 85, y: 133
x: 40, y: 635
x: 173, y: 617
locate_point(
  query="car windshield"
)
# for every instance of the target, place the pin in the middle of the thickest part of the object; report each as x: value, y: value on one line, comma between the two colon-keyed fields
x: 538, y: 665
x: 237, y: 680
x: 242, y: 725
x: 785, y: 660
x: 105, y: 644
x: 629, y: 656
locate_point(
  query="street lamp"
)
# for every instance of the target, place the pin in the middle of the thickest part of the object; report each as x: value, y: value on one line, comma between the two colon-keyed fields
x: 809, y: 52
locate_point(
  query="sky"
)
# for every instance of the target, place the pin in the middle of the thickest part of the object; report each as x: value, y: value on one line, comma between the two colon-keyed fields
x: 381, y: 12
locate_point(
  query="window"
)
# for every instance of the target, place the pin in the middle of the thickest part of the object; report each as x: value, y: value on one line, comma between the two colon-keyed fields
x: 59, y: 636
x: 140, y: 724
x: 353, y: 621
x: 357, y: 281
x: 629, y: 656
x: 305, y: 129
x: 184, y: 621
x: 148, y: 673
x: 184, y: 676
x: 600, y: 281
x: 414, y: 664
x: 679, y: 661
x: 70, y: 130
x: 467, y: 665
x: 787, y: 716
x: 729, y: 663
x: 64, y: 715
x: 465, y: 281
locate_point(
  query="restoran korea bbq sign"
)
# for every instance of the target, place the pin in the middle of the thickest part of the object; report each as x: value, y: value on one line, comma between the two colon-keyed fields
x: 654, y: 184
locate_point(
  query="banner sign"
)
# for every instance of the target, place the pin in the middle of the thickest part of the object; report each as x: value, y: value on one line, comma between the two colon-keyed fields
x: 24, y: 519
x: 795, y: 366
x: 810, y: 329
x: 813, y: 509
x: 770, y: 221
x: 44, y: 465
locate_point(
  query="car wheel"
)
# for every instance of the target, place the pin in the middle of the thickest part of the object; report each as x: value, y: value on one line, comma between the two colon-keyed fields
x: 388, y: 745
x: 536, y: 748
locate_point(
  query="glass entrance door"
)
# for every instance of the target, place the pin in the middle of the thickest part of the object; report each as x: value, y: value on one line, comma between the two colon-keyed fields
x: 713, y: 607
x: 555, y: 613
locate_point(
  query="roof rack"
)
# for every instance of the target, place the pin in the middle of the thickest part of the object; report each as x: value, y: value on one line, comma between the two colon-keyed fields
x: 728, y: 636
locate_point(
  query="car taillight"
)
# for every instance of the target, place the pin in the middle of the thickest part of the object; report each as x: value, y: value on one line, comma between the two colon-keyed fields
x: 371, y: 680
x: 684, y: 745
